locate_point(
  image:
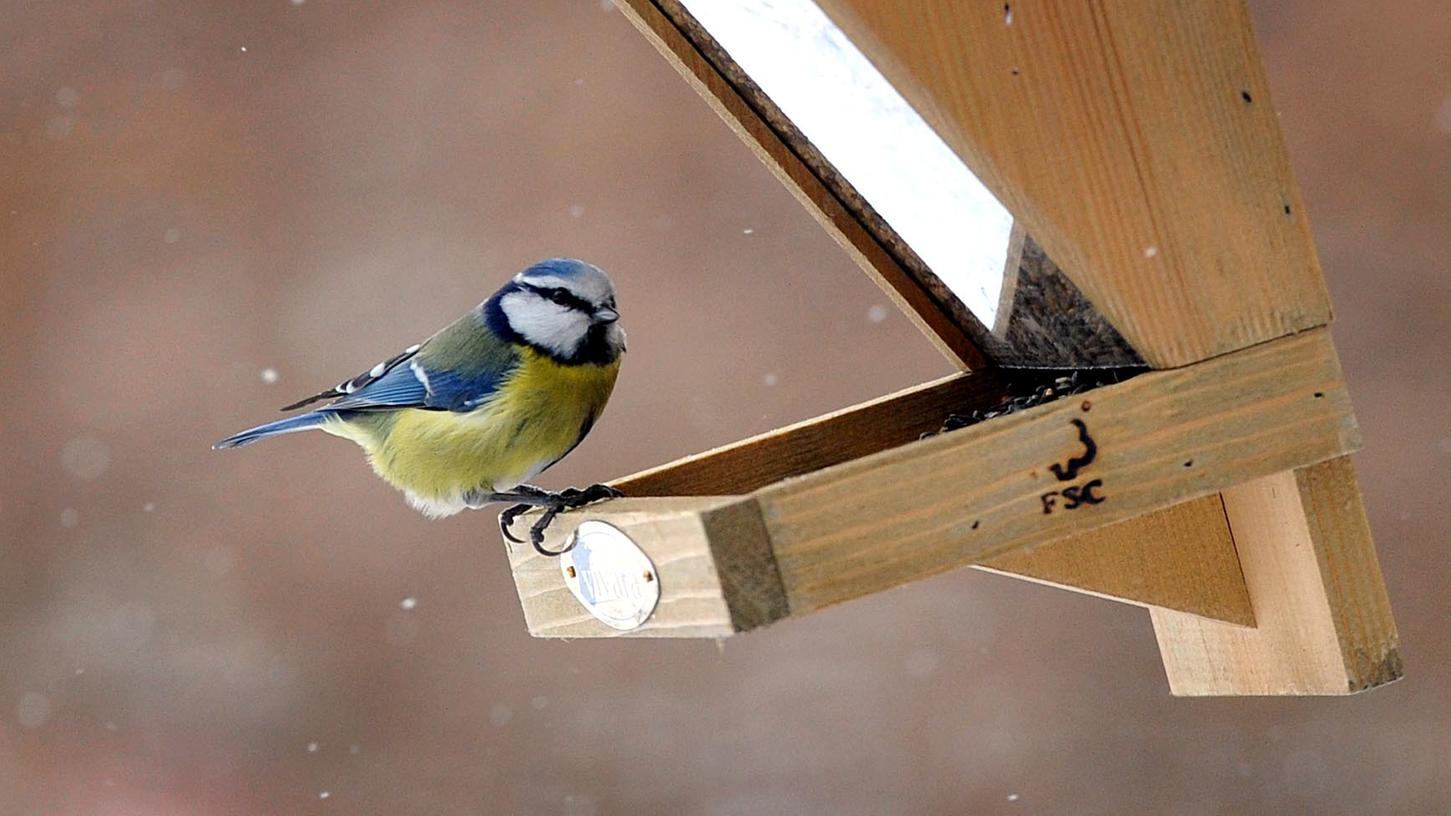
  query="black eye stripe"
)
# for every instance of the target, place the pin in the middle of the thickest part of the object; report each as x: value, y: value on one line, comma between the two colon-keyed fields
x: 560, y: 296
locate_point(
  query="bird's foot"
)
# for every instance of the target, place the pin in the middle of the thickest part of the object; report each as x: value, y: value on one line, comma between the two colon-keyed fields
x: 553, y: 503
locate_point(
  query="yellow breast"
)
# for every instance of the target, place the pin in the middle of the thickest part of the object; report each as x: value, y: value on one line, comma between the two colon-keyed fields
x: 540, y: 413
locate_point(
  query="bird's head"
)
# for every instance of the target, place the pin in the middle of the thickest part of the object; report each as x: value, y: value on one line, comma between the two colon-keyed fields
x: 565, y: 308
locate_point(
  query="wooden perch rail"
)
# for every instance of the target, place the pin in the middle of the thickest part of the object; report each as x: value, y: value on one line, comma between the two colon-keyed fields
x: 970, y: 496
x: 1181, y: 559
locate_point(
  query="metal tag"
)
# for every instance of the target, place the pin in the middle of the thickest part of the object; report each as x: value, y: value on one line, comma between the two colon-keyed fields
x: 610, y: 575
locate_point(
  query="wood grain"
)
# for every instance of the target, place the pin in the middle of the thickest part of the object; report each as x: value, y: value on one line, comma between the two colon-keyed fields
x: 1324, y: 621
x: 1180, y: 558
x: 803, y: 447
x: 704, y: 593
x: 968, y: 496
x: 1137, y: 144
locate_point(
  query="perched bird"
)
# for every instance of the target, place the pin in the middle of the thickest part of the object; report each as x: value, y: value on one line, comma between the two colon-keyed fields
x: 470, y: 415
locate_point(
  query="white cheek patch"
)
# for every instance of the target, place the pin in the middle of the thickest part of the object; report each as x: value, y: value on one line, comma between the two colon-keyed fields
x: 551, y: 326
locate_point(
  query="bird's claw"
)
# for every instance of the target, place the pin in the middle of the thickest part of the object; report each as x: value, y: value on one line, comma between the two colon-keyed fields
x: 556, y: 503
x: 575, y: 497
x: 506, y: 520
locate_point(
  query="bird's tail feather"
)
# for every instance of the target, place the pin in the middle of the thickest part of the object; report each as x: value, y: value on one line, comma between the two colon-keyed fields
x: 301, y: 422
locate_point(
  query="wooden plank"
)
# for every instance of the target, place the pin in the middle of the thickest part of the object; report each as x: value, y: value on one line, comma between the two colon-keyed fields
x: 1159, y: 439
x: 718, y: 577
x: 811, y: 179
x: 837, y: 437
x: 1135, y: 141
x: 1324, y: 621
x: 1180, y: 558
x: 706, y: 591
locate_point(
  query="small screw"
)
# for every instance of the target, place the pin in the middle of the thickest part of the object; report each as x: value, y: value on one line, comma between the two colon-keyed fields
x: 1086, y: 405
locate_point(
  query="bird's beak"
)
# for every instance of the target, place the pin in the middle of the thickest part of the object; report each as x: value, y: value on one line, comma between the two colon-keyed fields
x: 605, y: 314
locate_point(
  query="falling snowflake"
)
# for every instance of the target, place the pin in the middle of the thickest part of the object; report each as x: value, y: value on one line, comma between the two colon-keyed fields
x: 33, y: 710
x: 59, y: 127
x: 85, y: 458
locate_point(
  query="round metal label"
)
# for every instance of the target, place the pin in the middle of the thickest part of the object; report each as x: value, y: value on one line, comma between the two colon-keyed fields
x: 610, y: 575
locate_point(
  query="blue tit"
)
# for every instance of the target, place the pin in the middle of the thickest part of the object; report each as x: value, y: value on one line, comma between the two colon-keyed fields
x: 470, y: 415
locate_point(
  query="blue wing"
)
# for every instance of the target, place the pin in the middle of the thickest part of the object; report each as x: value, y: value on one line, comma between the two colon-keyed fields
x: 416, y: 385
x: 458, y: 369
x: 355, y: 384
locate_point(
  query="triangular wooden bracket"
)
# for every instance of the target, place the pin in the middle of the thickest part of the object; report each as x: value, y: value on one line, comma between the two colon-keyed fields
x: 1135, y: 143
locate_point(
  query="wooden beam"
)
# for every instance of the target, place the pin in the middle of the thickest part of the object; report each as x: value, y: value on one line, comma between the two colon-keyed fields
x: 1324, y: 621
x: 1159, y: 439
x: 711, y: 556
x: 840, y: 436
x: 1181, y: 558
x: 1136, y: 142
x: 974, y: 495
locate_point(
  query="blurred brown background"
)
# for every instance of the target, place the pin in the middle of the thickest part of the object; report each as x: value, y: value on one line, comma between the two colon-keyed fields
x: 208, y: 209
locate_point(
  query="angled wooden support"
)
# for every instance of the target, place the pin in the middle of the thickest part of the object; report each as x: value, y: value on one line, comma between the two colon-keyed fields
x: 974, y: 495
x: 1135, y: 141
x: 1323, y: 621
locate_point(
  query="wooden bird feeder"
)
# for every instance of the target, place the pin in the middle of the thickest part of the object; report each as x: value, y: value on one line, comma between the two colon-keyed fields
x: 1157, y: 231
